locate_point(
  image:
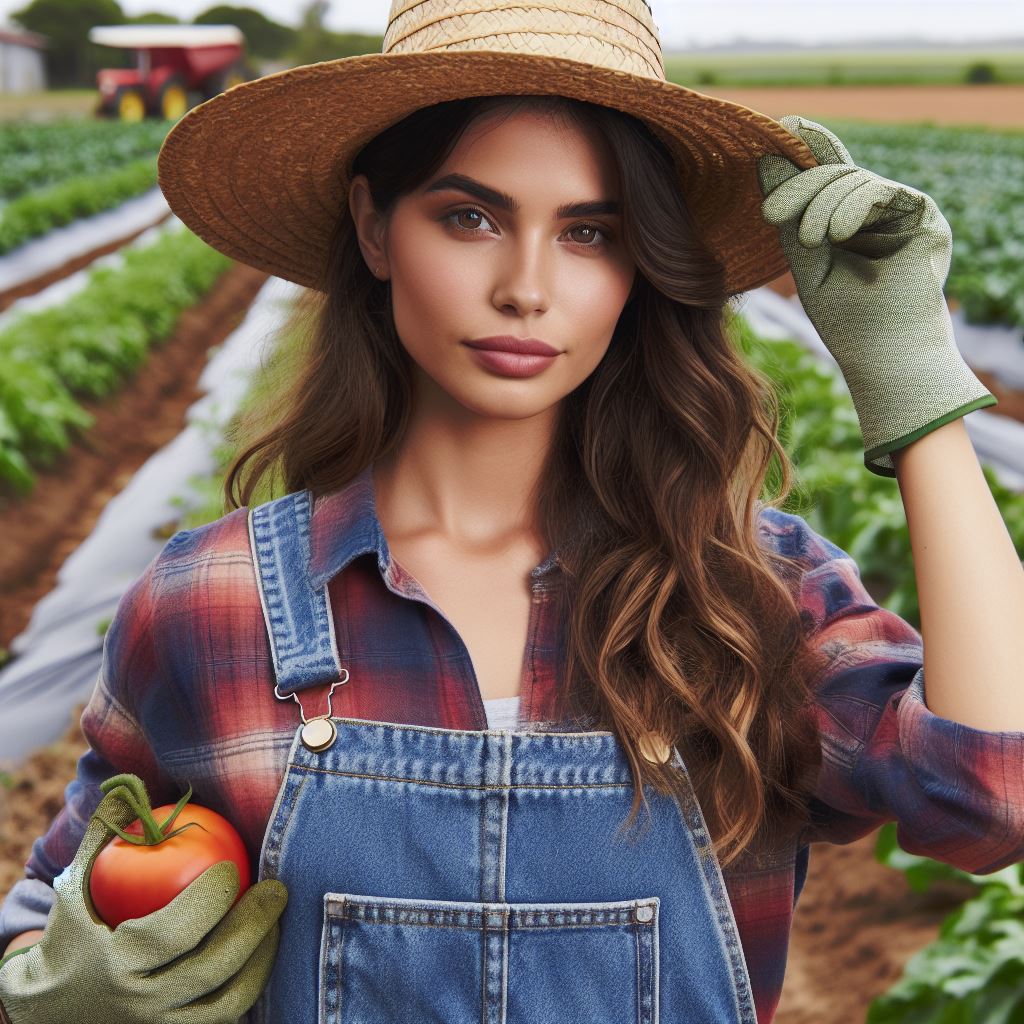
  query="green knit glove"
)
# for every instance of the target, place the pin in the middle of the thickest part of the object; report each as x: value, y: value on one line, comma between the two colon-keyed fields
x: 870, y: 257
x: 194, y: 961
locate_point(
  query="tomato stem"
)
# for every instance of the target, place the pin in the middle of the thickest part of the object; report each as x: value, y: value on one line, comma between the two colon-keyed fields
x: 131, y: 789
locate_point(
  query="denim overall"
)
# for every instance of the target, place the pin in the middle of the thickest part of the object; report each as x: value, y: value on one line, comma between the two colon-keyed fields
x: 454, y: 876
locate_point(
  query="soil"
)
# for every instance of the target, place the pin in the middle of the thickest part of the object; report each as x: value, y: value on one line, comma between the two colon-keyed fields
x: 149, y: 412
x: 994, y: 106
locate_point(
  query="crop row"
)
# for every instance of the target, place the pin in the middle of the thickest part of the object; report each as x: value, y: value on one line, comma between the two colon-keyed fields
x: 976, y: 176
x: 35, y: 156
x: 85, y: 347
x: 37, y: 213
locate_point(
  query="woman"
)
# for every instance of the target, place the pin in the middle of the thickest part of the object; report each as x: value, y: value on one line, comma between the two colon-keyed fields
x: 579, y: 530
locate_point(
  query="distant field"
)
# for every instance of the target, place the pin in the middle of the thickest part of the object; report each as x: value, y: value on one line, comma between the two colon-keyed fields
x: 47, y: 105
x: 841, y: 68
x: 984, y: 106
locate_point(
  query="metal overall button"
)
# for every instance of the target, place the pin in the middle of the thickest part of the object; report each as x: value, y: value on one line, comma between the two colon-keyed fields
x: 644, y: 912
x: 654, y: 747
x: 319, y: 732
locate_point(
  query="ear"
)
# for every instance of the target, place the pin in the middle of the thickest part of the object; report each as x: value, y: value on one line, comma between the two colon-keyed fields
x: 369, y: 224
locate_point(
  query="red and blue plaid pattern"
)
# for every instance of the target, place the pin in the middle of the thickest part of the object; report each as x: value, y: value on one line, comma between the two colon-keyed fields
x: 186, y: 695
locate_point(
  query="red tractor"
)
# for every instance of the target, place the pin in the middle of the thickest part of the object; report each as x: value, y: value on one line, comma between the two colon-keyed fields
x: 176, y: 66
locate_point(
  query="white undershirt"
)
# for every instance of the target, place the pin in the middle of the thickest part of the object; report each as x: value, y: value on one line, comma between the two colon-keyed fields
x: 502, y: 712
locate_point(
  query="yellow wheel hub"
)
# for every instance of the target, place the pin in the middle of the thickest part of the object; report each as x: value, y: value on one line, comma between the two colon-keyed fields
x: 130, y: 107
x: 174, y: 103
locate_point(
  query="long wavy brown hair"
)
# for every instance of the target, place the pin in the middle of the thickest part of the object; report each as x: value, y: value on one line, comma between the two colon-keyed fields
x: 677, y: 618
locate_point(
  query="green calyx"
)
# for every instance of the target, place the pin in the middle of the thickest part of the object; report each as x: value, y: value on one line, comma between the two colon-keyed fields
x: 131, y: 790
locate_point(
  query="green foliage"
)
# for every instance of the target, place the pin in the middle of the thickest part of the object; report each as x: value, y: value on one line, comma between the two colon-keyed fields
x: 34, y: 155
x: 88, y: 345
x: 263, y: 37
x: 976, y: 176
x: 981, y: 71
x: 972, y: 974
x: 36, y: 213
x: 153, y: 18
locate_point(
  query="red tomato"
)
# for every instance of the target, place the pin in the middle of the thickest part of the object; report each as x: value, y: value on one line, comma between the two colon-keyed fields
x: 130, y: 881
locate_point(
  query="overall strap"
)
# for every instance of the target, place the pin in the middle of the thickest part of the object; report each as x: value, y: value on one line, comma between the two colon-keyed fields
x: 298, y: 617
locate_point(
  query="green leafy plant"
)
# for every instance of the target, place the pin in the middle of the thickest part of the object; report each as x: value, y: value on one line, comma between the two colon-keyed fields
x: 87, y: 346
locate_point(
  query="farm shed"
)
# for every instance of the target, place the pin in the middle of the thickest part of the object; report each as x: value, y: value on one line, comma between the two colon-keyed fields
x: 22, y: 63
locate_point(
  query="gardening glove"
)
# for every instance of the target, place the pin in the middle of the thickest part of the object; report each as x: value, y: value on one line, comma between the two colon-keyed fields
x: 870, y: 257
x: 194, y: 961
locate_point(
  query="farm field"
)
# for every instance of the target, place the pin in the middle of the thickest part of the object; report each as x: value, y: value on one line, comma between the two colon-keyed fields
x: 845, y: 66
x: 994, y: 106
x: 44, y: 106
x: 858, y: 921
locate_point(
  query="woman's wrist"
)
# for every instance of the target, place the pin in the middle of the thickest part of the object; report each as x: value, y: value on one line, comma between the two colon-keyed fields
x: 29, y: 938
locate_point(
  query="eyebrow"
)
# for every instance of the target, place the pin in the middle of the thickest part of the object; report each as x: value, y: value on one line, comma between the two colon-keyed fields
x: 502, y: 200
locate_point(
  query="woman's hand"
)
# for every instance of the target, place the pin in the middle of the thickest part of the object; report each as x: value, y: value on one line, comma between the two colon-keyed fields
x: 870, y: 257
x: 198, y: 960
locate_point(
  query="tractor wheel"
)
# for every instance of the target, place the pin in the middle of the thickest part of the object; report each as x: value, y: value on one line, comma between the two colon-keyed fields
x: 129, y: 104
x: 173, y: 102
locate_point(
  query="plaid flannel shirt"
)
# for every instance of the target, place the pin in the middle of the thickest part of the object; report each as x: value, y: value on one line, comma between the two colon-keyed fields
x: 185, y: 695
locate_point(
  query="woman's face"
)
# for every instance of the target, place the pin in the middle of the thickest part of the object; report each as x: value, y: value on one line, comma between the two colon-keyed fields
x: 464, y: 266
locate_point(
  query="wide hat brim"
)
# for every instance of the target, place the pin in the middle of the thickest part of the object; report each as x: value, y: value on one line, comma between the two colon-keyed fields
x: 260, y: 172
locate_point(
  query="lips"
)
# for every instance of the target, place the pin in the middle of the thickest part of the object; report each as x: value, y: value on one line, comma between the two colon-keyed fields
x: 520, y: 346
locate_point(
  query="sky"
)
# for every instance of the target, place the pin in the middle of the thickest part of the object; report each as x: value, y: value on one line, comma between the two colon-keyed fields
x: 685, y: 23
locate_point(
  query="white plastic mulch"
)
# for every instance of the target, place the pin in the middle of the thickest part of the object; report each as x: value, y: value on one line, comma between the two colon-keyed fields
x: 58, y: 654
x: 42, y: 255
x: 62, y: 290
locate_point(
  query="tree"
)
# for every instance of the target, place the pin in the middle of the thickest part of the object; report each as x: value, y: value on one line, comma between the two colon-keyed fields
x: 155, y: 18
x: 313, y: 41
x: 263, y: 37
x: 71, y: 60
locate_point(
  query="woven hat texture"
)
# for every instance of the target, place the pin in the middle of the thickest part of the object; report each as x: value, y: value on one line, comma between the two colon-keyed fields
x: 261, y: 172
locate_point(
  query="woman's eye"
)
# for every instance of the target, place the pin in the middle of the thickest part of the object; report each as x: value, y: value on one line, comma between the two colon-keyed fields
x: 594, y: 237
x: 464, y: 212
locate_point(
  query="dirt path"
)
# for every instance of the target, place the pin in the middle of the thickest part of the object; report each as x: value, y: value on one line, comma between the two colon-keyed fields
x: 995, y: 106
x: 42, y: 530
x: 856, y: 925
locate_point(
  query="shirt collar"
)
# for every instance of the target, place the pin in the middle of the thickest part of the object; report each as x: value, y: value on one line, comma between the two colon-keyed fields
x: 344, y: 525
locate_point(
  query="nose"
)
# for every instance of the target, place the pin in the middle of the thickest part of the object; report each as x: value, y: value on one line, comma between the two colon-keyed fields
x: 523, y: 277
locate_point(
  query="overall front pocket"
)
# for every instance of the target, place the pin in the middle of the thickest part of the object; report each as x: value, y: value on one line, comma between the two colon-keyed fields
x: 448, y: 962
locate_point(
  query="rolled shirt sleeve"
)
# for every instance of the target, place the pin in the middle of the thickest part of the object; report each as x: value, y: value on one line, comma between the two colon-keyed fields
x: 955, y: 792
x: 117, y: 744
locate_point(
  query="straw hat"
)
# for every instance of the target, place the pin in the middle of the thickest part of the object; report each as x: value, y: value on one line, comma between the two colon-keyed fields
x: 261, y: 172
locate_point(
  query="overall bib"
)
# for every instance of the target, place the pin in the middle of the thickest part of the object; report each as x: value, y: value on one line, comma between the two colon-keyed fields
x: 450, y: 876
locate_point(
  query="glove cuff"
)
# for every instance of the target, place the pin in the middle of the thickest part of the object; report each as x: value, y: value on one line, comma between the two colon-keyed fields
x: 876, y: 452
